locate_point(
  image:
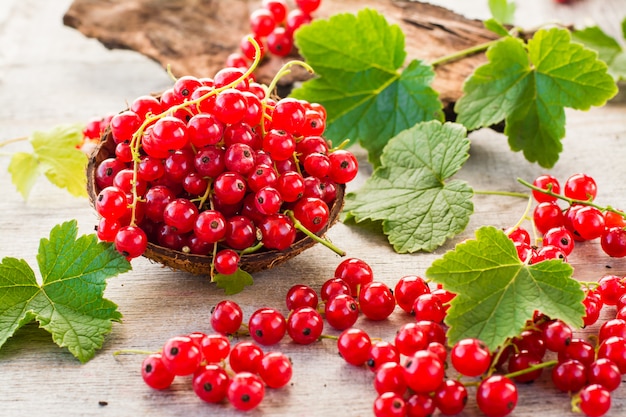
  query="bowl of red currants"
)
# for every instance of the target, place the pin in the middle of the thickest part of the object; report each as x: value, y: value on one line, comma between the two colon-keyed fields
x: 215, y: 175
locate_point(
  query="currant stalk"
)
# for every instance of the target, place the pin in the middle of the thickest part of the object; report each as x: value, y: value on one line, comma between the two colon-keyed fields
x: 571, y: 201
x: 298, y: 225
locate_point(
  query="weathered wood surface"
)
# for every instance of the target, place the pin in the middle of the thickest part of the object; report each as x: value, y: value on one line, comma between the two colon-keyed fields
x: 50, y: 74
x: 196, y: 37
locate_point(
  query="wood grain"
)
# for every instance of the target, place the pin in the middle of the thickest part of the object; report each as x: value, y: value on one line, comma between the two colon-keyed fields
x: 50, y: 74
x: 173, y: 34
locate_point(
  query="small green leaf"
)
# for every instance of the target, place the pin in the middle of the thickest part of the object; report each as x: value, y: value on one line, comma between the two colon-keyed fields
x: 61, y: 161
x: 609, y: 50
x: 359, y: 83
x: 528, y: 86
x: 234, y: 283
x: 496, y: 27
x: 24, y: 172
x: 69, y: 303
x: 409, y: 192
x: 502, y: 10
x: 496, y: 293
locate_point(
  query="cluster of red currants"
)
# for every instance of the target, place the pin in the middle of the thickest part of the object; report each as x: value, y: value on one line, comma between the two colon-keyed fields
x: 272, y: 28
x: 239, y: 374
x: 215, y: 166
x: 581, y: 220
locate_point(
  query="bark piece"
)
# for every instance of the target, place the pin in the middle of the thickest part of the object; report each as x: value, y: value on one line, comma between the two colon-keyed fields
x: 195, y: 36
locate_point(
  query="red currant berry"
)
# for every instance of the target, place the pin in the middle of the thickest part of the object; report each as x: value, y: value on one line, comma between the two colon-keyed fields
x: 343, y: 166
x: 226, y: 317
x: 277, y: 231
x: 557, y: 335
x: 407, y: 289
x: 382, y: 352
x: 605, y: 372
x: 613, y: 241
x: 275, y: 369
x: 376, y: 301
x: 428, y: 307
x: 420, y: 405
x: 595, y: 400
x: 354, y: 272
x: 549, y: 183
x: 470, y: 357
x: 181, y: 355
x: 561, y: 238
x: 305, y: 325
x: 390, y: 378
x: 354, y: 346
x: 245, y: 391
x: 341, y: 311
x: 580, y: 187
x: 154, y: 372
x: 301, y: 295
x: 210, y: 383
x: 451, y: 397
x: 245, y: 357
x: 267, y: 326
x: 614, y: 348
x: 226, y: 261
x: 496, y: 396
x: 131, y: 241
x: 423, y: 372
x: 210, y: 226
x: 389, y: 404
x: 410, y: 338
x: 522, y: 361
x: 569, y: 376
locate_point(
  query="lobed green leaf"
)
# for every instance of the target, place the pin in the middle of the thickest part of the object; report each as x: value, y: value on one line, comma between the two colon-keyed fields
x: 409, y: 194
x: 528, y: 86
x: 496, y: 294
x: 358, y: 81
x: 69, y: 302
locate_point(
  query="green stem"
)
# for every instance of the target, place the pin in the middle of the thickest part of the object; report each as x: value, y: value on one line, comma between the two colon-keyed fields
x: 463, y: 53
x: 531, y: 368
x: 14, y: 140
x: 502, y: 193
x: 251, y: 249
x: 571, y: 201
x: 313, y: 236
x: 132, y: 352
x: 286, y: 69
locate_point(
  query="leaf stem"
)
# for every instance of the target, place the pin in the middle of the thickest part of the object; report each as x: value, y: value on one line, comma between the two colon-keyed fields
x: 132, y: 352
x: 502, y: 193
x: 463, y: 53
x: 14, y: 140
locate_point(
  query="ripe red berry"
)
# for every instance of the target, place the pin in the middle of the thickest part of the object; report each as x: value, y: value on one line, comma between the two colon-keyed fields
x: 470, y: 357
x: 496, y: 396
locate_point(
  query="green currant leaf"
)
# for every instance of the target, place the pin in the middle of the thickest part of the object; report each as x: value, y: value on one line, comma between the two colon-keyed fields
x: 496, y: 27
x: 528, y: 86
x: 55, y: 154
x: 69, y: 302
x: 496, y: 293
x: 24, y: 170
x: 502, y: 10
x: 234, y: 283
x: 359, y: 83
x: 609, y: 50
x: 409, y: 192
